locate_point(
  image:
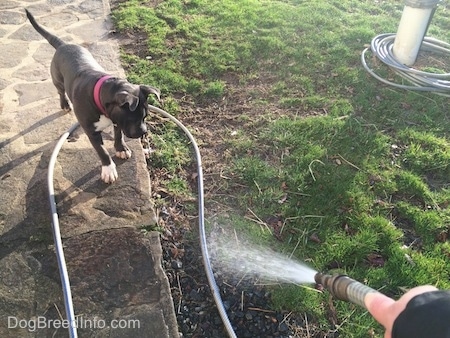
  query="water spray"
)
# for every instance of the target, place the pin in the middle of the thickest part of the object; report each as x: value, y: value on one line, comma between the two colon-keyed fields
x: 344, y: 288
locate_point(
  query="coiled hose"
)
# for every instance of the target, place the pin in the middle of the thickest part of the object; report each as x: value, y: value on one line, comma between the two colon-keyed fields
x: 382, y: 47
x: 201, y: 224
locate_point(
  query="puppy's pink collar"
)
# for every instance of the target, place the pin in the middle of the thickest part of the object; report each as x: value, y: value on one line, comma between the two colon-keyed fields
x: 97, y: 88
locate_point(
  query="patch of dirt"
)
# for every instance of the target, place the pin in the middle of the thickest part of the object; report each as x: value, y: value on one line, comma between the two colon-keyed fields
x: 248, y: 305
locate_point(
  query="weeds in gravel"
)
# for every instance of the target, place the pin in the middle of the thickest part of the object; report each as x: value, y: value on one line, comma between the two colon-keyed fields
x: 352, y: 174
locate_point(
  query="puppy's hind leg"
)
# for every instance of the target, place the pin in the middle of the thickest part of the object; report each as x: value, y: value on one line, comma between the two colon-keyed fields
x: 58, y: 81
x: 63, y: 101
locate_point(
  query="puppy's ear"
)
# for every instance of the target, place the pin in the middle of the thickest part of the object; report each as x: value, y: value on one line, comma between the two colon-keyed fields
x: 147, y: 90
x: 125, y: 97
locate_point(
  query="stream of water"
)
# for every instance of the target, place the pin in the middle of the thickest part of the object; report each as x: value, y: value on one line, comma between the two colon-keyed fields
x: 231, y: 256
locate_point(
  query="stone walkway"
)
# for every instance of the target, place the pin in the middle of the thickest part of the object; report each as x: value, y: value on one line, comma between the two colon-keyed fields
x: 114, y: 267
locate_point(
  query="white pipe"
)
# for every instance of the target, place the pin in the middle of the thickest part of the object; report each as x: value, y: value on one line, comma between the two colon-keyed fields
x: 412, y: 29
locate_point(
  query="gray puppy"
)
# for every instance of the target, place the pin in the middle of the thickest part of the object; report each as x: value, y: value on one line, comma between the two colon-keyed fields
x: 98, y: 99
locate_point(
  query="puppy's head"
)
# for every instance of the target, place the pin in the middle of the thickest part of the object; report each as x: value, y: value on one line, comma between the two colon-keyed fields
x: 129, y: 107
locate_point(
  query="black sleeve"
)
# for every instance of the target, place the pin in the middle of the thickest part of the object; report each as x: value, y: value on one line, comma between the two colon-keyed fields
x: 425, y: 316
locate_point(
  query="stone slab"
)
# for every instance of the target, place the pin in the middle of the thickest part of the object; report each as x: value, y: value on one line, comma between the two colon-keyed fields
x: 114, y: 267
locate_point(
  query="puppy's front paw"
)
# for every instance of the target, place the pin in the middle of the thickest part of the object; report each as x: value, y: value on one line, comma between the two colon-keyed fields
x: 125, y: 154
x: 109, y: 173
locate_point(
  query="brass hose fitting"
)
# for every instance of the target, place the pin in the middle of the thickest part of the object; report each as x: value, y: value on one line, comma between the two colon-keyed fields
x: 344, y: 288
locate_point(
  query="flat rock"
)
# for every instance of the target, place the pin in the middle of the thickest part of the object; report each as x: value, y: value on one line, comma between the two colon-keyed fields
x: 36, y: 72
x: 32, y: 92
x: 11, y: 18
x: 116, y: 274
x: 12, y: 54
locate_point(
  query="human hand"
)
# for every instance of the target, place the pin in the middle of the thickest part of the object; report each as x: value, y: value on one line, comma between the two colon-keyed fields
x: 385, y: 310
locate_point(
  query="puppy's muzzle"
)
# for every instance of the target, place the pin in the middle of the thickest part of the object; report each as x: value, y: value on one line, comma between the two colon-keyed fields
x: 136, y: 132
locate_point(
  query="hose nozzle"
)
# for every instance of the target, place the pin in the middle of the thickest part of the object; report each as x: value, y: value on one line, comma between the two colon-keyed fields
x: 344, y: 288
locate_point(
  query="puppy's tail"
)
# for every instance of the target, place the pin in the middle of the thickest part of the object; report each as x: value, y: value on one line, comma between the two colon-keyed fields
x: 52, y: 39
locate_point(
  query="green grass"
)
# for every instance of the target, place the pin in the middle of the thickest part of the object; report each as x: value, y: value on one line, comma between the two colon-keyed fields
x: 324, y: 147
x: 170, y: 157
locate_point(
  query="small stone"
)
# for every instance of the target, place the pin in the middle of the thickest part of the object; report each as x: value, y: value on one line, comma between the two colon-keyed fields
x: 283, y: 327
x: 176, y: 264
x: 240, y: 314
x: 195, y: 295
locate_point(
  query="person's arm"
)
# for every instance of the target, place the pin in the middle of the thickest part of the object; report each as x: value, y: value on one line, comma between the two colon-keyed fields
x: 422, y: 312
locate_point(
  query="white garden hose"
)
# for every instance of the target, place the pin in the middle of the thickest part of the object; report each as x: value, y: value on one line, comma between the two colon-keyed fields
x: 70, y: 314
x: 201, y: 224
